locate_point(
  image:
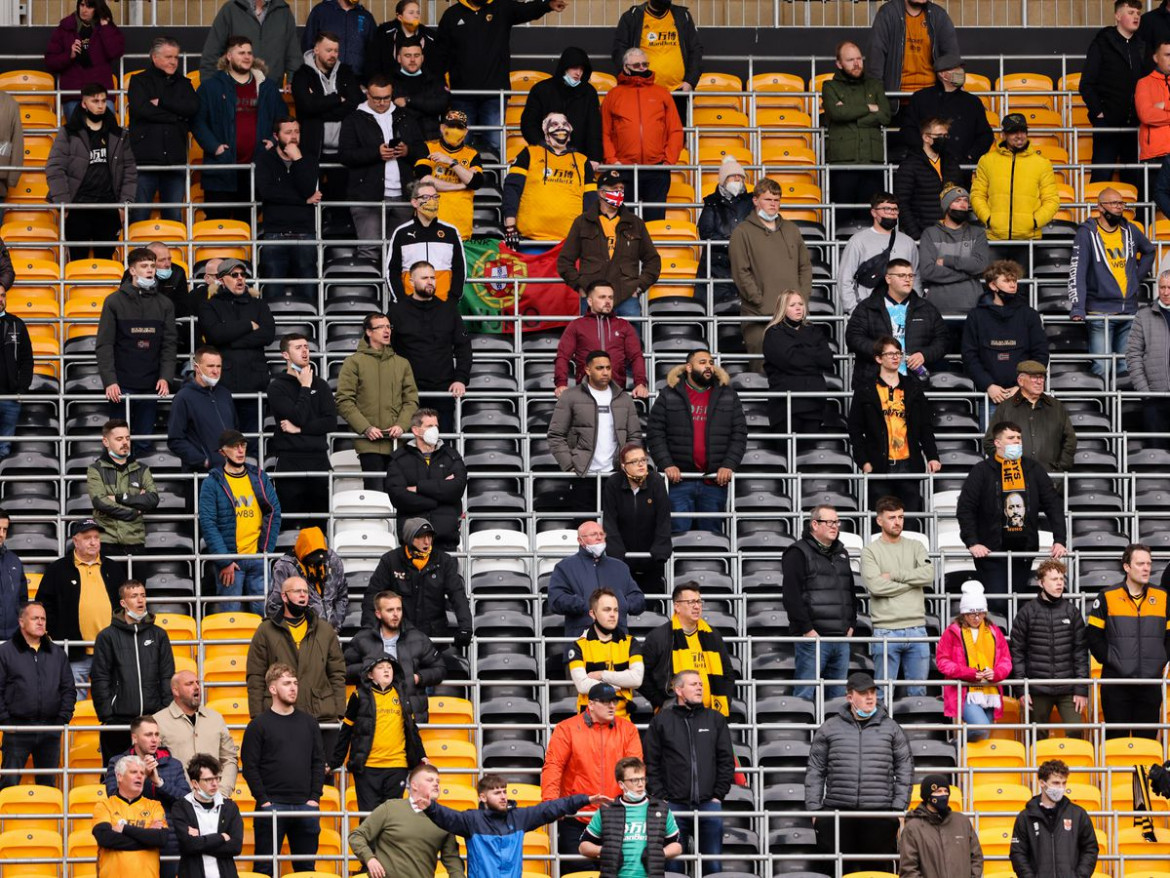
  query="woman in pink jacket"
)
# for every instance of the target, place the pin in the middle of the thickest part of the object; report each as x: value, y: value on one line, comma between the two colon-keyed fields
x: 974, y: 651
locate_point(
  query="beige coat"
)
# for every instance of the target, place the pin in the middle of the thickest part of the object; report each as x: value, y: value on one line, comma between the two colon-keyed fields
x: 764, y: 264
x: 208, y: 735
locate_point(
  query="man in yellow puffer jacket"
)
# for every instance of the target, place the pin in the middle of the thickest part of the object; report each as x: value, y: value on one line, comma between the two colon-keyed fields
x: 1014, y: 190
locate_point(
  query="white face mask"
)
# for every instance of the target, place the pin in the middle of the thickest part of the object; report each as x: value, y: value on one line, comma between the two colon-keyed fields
x: 768, y: 217
x: 595, y: 549
x: 431, y: 435
x: 137, y: 617
x: 1055, y: 794
x: 209, y: 380
x: 633, y: 795
x: 1013, y: 452
x: 145, y: 283
x: 734, y: 188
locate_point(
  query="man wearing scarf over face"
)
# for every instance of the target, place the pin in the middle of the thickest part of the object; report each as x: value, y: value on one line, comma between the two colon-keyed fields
x: 547, y: 186
x: 937, y: 841
x: 456, y: 170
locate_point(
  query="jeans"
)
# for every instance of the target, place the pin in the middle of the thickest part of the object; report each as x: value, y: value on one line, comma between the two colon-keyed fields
x: 288, y: 259
x: 374, y: 465
x: 143, y: 413
x: 710, y: 837
x: 81, y: 669
x: 170, y: 186
x: 1108, y: 342
x: 912, y: 658
x: 482, y: 110
x: 302, y: 833
x: 9, y: 415
x: 834, y: 666
x: 249, y: 581
x: 631, y: 309
x: 696, y: 495
x: 975, y: 715
x: 45, y: 748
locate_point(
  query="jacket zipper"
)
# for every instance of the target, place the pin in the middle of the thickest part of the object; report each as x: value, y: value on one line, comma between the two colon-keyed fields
x: 1012, y: 196
x: 138, y: 668
x: 694, y: 761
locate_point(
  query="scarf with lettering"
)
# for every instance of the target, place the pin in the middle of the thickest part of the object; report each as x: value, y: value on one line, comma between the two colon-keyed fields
x: 707, y: 662
x: 980, y: 652
x: 1011, y: 474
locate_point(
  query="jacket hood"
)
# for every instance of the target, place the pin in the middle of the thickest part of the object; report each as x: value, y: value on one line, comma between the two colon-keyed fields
x: 200, y: 388
x: 366, y: 683
x: 675, y: 376
x: 636, y: 81
x: 754, y: 219
x: 384, y: 354
x: 277, y: 617
x: 924, y: 813
x: 310, y: 63
x: 77, y: 122
x: 574, y: 57
x: 1010, y: 305
x: 309, y: 540
x: 259, y: 68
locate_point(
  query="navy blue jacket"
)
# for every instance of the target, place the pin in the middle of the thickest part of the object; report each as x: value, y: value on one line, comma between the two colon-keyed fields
x: 13, y: 591
x: 215, y: 124
x: 217, y: 513
x: 198, y: 415
x: 36, y: 688
x: 997, y: 338
x: 575, y: 578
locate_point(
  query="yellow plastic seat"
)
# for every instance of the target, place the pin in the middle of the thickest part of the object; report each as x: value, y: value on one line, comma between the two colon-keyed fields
x: 719, y: 117
x: 776, y: 90
x: 226, y: 668
x: 603, y: 82
x: 454, y: 754
x: 32, y: 844
x: 870, y: 873
x: 524, y: 794
x: 512, y: 114
x: 672, y: 230
x: 227, y: 626
x: 179, y: 626
x: 797, y: 163
x: 83, y: 797
x: 36, y: 150
x: 83, y: 847
x: 17, y: 233
x: 1025, y: 90
x: 718, y: 82
x: 1008, y: 756
x: 104, y: 270
x: 46, y: 219
x: 1074, y: 752
x: 34, y: 303
x: 35, y: 117
x: 446, y: 710
x: 37, y: 85
x: 47, y: 355
x: 31, y: 188
x: 1141, y: 856
x: 793, y: 195
x: 522, y: 81
x: 995, y: 841
x: 157, y: 230
x: 1127, y: 752
x: 686, y: 269
x: 458, y: 797
x: 1000, y: 797
x: 221, y: 230
x: 21, y: 805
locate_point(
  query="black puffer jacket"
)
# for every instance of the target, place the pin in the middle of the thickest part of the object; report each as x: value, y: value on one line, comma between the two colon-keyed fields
x: 416, y: 655
x: 689, y: 758
x: 868, y: 434
x: 426, y: 594
x: 1053, y: 842
x: 718, y: 219
x: 162, y: 106
x: 226, y: 322
x: 438, y: 494
x: 917, y: 187
x: 578, y: 103
x: 796, y: 358
x: 132, y: 669
x: 1048, y: 642
x: 859, y: 765
x: 670, y: 434
x: 997, y: 338
x: 356, y: 735
x: 926, y: 333
x: 1113, y: 66
x: 36, y: 688
x: 818, y: 587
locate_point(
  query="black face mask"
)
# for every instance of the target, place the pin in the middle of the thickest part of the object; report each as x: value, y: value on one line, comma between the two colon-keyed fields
x: 296, y: 610
x: 644, y: 74
x: 1018, y: 149
x: 888, y: 223
x: 1114, y: 219
x: 659, y: 6
x: 941, y: 804
x: 94, y: 117
x: 939, y: 144
x: 957, y: 216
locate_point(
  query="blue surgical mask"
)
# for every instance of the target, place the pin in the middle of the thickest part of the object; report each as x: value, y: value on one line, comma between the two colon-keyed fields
x: 865, y: 714
x: 1013, y: 452
x: 145, y: 283
x: 406, y: 72
x: 570, y: 82
x: 768, y: 217
x: 634, y: 795
x: 164, y: 273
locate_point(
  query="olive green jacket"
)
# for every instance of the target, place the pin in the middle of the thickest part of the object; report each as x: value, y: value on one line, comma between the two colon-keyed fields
x: 376, y: 389
x: 854, y: 133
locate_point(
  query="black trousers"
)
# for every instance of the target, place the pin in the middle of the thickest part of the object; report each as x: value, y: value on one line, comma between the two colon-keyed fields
x: 377, y: 785
x: 860, y: 835
x: 1116, y: 148
x: 83, y: 226
x: 375, y: 466
x: 1124, y: 706
x: 301, y: 495
x: 994, y: 573
x: 113, y: 743
x: 850, y: 186
x: 569, y: 832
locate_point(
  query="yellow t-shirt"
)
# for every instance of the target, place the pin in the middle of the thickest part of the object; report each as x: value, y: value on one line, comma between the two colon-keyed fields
x: 554, y: 188
x: 893, y: 402
x: 936, y: 164
x: 248, y: 514
x: 298, y: 629
x: 455, y: 206
x: 95, y: 611
x: 661, y: 44
x: 389, y: 747
x: 609, y: 226
x: 1114, y: 244
x: 917, y: 64
x: 141, y: 812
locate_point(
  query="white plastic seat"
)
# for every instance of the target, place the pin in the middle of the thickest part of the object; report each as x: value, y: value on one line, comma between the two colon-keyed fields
x: 366, y: 503
x: 945, y: 502
x: 345, y: 461
x: 364, y: 540
x: 496, y: 549
x: 559, y: 544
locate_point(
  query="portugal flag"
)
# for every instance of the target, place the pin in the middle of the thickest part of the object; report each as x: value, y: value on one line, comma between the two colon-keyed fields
x: 503, y: 267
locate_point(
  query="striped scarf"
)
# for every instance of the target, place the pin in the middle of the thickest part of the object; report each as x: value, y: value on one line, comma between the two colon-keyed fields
x: 700, y: 653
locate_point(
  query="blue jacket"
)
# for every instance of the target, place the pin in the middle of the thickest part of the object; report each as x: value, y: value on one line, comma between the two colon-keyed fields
x: 217, y: 513
x: 575, y: 578
x: 215, y: 124
x: 13, y: 591
x: 495, y: 839
x: 1091, y: 285
x: 198, y: 415
x: 355, y: 26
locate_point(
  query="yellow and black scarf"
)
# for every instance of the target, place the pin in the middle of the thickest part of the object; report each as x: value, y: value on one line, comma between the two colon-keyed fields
x: 706, y: 660
x: 1011, y: 475
x: 980, y: 655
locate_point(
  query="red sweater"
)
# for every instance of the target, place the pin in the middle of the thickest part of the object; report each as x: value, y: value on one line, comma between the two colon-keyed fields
x: 613, y: 335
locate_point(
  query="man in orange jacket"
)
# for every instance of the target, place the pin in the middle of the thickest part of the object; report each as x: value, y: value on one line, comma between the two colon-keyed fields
x: 640, y: 125
x: 1152, y: 101
x: 581, y: 755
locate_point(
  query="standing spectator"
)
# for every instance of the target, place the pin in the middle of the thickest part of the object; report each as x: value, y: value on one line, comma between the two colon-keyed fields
x: 1014, y: 189
x: 426, y: 478
x: 239, y: 103
x: 313, y: 561
x: 635, y: 512
x: 379, y: 735
x: 79, y: 592
x: 13, y: 583
x: 724, y: 209
x: 670, y: 41
x: 1002, y: 331
x: 208, y: 825
x: 1148, y: 357
x: 420, y: 92
x: 578, y: 576
x: 83, y: 50
x: 172, y: 283
x: 283, y: 761
x: 424, y: 240
x: 129, y: 827
x: 568, y: 92
x: 11, y: 147
x: 641, y: 126
x: 38, y: 690
x: 162, y: 104
x: 687, y: 643
x: 1153, y: 31
x: 136, y: 346
x: 544, y: 211
x: 121, y: 490
x: 404, y: 29
x: 397, y: 836
x: 797, y: 357
x: 325, y: 91
x: 475, y: 41
x: 999, y: 511
x: 974, y: 651
x: 91, y: 163
x: 1111, y: 259
x: 1129, y: 634
x: 890, y: 429
x: 869, y: 252
x: 819, y: 599
x: 697, y: 425
x: 938, y: 841
x: 1049, y: 643
x: 303, y: 415
x: 239, y: 515
x: 455, y: 168
x: 920, y: 178
x: 16, y: 359
x: 606, y: 653
x: 200, y: 414
x: 189, y: 727
x: 431, y: 335
x: 132, y: 667
x: 970, y: 133
x: 379, y: 144
x: 1048, y: 433
x: 592, y: 420
x: 583, y: 751
x: 601, y: 329
x: 953, y: 254
x: 636, y: 831
x: 690, y: 764
x: 350, y: 25
x: 610, y: 243
x: 1150, y: 102
x: 1053, y: 836
x: 896, y: 309
x: 897, y: 572
x: 1115, y: 62
x: 860, y: 761
x: 907, y: 39
x: 240, y: 325
x: 287, y: 186
x: 269, y: 25
x: 856, y: 109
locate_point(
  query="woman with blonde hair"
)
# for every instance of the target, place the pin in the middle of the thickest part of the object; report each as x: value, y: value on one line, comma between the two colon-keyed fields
x: 797, y: 357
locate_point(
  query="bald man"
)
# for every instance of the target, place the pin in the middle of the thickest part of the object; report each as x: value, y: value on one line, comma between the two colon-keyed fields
x: 1111, y: 257
x: 188, y: 727
x: 576, y: 578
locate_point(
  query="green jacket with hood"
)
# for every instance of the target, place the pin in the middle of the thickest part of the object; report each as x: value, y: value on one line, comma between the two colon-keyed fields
x: 854, y: 132
x: 376, y: 389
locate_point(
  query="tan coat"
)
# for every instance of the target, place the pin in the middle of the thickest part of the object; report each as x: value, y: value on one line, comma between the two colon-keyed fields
x: 763, y: 265
x: 208, y: 735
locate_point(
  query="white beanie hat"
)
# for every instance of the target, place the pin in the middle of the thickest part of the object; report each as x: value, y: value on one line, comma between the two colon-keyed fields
x: 973, y: 600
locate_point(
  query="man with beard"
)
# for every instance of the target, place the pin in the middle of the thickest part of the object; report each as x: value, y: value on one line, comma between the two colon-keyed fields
x: 1014, y: 189
x: 325, y: 91
x: 418, y: 91
x: 856, y: 108
x: 547, y: 186
x: 286, y: 185
x: 455, y: 169
x: 426, y: 238
x: 121, y: 490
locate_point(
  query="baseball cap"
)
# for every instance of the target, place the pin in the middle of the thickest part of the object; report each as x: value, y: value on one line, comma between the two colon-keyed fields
x: 228, y: 438
x: 229, y: 265
x: 603, y: 692
x: 1014, y: 122
x: 609, y: 179
x: 860, y: 681
x: 80, y: 527
x: 455, y: 118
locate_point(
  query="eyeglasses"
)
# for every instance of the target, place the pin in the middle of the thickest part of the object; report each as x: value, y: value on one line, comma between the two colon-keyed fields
x: 902, y: 275
x: 425, y: 199
x: 297, y: 591
x: 828, y: 522
x: 236, y: 274
x: 976, y: 613
x: 887, y: 209
x: 639, y: 65
x: 373, y: 99
x: 694, y: 602
x: 217, y: 779
x: 894, y: 355
x: 634, y: 781
x: 637, y: 461
x: 1112, y: 204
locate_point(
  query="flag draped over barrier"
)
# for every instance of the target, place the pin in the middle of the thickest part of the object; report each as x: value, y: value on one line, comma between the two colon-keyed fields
x: 489, y: 258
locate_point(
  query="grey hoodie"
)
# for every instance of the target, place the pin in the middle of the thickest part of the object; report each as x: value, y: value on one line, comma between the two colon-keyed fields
x: 953, y: 287
x: 329, y: 86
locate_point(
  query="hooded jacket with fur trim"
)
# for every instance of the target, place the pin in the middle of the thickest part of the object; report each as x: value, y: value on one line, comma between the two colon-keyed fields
x: 215, y: 123
x: 670, y: 434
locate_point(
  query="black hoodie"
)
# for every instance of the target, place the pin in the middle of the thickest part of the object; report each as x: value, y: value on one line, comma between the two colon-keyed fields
x: 1112, y: 69
x: 579, y: 103
x: 997, y: 338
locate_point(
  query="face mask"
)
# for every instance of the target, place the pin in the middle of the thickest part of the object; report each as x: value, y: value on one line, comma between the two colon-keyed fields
x: 637, y: 479
x: 734, y: 188
x: 559, y: 136
x: 570, y: 82
x: 94, y: 117
x: 429, y: 209
x: 137, y: 617
x: 1114, y: 219
x: 296, y: 610
x: 209, y: 380
x: 596, y: 549
x: 117, y: 458
x: 940, y: 143
x: 1013, y: 452
x: 888, y: 223
x: 633, y: 796
x: 957, y: 216
x: 406, y: 72
x: 454, y: 137
x: 1018, y: 149
x: 644, y: 74
x: 202, y: 796
x: 941, y: 803
x: 145, y: 283
x: 1055, y: 794
x: 958, y: 77
x: 164, y: 273
x: 865, y: 714
x: 431, y: 435
x: 296, y: 368
x: 613, y: 198
x: 768, y: 217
